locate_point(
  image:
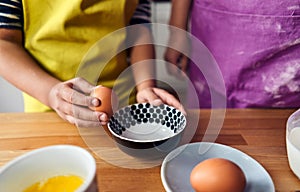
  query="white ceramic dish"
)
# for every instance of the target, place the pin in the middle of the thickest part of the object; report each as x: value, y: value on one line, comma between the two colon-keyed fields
x: 146, y: 131
x: 143, y: 122
x: 46, y: 162
x: 178, y: 164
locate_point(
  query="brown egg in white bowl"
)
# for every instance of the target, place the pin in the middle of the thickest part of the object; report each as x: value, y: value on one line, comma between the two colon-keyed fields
x: 217, y: 174
x: 194, y: 167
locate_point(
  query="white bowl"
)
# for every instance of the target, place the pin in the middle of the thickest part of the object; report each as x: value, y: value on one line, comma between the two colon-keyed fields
x: 43, y: 163
x: 144, y: 130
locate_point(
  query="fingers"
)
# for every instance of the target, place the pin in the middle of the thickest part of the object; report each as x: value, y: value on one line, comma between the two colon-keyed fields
x: 71, y: 100
x: 153, y: 99
x: 76, y: 91
x: 82, y: 117
x: 147, y: 95
x: 157, y: 96
x: 169, y: 99
x: 82, y: 123
x: 81, y: 85
x: 77, y: 98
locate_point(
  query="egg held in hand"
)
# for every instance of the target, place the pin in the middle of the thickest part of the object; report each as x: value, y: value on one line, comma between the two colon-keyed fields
x: 107, y: 98
x: 217, y: 175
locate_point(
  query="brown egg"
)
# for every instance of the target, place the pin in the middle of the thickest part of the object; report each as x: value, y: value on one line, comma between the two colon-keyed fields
x: 107, y: 97
x: 217, y: 175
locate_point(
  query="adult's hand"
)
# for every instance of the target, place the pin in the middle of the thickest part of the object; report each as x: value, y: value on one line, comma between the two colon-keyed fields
x: 71, y: 101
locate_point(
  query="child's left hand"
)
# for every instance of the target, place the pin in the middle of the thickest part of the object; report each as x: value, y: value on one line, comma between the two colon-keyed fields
x: 157, y: 96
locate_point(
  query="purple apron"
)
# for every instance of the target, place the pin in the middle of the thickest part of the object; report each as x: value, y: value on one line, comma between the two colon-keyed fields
x: 256, y: 45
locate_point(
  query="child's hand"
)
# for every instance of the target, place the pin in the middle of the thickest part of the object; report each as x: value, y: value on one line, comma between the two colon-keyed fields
x: 157, y: 96
x: 71, y: 100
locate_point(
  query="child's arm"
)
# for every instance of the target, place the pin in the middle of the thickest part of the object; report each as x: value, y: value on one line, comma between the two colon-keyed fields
x: 19, y: 68
x: 178, y: 25
x: 142, y: 59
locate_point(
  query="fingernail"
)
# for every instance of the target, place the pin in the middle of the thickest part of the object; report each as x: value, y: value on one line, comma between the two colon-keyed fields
x: 96, y: 102
x: 103, y: 117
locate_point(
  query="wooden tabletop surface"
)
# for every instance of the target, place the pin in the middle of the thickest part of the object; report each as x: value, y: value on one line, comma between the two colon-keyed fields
x: 258, y: 132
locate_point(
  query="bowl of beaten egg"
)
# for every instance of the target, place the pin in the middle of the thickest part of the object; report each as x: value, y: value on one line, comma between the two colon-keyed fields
x: 54, y: 168
x: 178, y: 170
x: 147, y: 131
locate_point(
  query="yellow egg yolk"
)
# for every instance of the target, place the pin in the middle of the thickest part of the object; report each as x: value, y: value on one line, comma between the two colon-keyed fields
x: 68, y: 183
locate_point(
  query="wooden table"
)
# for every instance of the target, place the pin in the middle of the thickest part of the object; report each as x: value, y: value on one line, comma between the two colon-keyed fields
x: 259, y: 133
